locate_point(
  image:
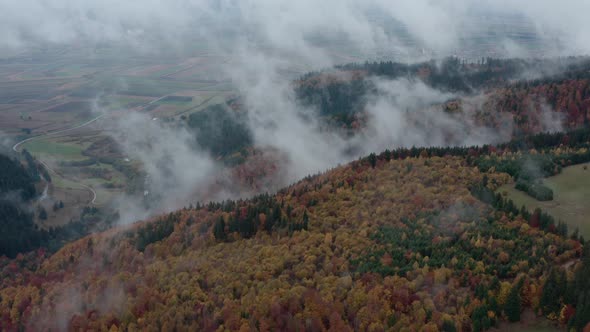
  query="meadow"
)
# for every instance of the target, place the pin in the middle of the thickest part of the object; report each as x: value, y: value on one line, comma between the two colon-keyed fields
x: 571, y: 191
x: 56, y: 148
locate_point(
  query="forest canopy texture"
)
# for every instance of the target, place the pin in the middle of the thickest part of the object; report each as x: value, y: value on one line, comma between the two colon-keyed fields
x: 415, y: 239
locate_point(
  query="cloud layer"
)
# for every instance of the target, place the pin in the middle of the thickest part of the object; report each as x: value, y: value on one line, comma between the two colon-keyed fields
x: 263, y: 37
x: 297, y: 27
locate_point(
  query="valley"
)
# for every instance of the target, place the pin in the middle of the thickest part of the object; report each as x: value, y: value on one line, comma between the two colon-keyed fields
x: 338, y: 240
x: 59, y: 125
x: 205, y: 165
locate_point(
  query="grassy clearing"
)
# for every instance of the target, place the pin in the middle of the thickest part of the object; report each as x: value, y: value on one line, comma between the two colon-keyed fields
x: 70, y: 148
x: 116, y: 176
x: 64, y: 183
x: 121, y: 101
x: 137, y: 86
x: 218, y: 87
x: 70, y: 187
x: 60, y: 150
x: 199, y: 102
x: 212, y: 100
x: 149, y: 87
x: 56, y: 71
x: 571, y: 191
x: 73, y: 107
x: 203, y: 101
x: 71, y: 180
x: 11, y: 92
x: 168, y: 71
x: 176, y: 100
x: 103, y: 195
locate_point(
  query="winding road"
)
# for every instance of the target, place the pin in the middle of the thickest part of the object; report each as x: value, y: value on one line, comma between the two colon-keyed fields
x: 15, y: 148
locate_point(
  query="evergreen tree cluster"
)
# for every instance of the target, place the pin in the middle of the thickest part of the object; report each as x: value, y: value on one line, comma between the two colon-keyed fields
x: 536, y: 190
x: 220, y: 131
x: 543, y: 142
x: 19, y: 231
x: 155, y: 231
x: 513, y: 306
x: 15, y: 178
x: 21, y: 234
x: 580, y: 293
x: 559, y: 292
x: 244, y: 218
x: 527, y: 169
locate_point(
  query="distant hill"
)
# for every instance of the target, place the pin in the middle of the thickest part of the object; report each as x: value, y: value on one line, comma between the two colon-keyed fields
x: 515, y: 86
x: 528, y: 95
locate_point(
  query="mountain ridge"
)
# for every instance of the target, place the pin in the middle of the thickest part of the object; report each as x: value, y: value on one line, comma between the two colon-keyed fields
x: 342, y: 273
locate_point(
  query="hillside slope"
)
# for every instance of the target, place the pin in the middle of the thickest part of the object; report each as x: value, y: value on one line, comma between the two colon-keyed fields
x: 391, y: 242
x: 526, y: 90
x: 17, y: 189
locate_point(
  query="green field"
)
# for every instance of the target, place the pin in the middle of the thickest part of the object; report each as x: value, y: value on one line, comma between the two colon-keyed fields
x: 55, y: 71
x: 571, y: 200
x: 63, y: 183
x: 199, y: 102
x: 116, y: 102
x: 65, y: 151
x: 140, y: 86
x: 70, y: 151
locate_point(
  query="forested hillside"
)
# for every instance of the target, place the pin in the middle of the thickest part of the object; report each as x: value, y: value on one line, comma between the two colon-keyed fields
x: 521, y: 96
x: 219, y: 130
x: 15, y: 178
x: 17, y: 188
x: 20, y: 233
x: 525, y: 89
x: 410, y: 239
x: 413, y: 239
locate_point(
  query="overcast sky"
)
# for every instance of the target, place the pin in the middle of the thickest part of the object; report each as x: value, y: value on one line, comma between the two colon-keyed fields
x: 293, y: 27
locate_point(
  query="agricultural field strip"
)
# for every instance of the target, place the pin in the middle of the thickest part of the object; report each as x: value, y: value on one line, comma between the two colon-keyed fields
x: 204, y: 102
x: 78, y: 183
x: 16, y: 146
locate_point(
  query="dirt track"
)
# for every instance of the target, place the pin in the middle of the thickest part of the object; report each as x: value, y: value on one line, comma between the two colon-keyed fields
x: 15, y: 148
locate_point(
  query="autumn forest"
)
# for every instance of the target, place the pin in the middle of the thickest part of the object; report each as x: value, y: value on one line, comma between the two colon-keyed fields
x: 405, y: 239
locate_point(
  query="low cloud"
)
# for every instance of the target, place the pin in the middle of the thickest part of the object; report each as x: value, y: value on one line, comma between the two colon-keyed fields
x: 299, y: 28
x: 407, y: 113
x: 175, y: 171
x: 265, y: 38
x: 400, y: 114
